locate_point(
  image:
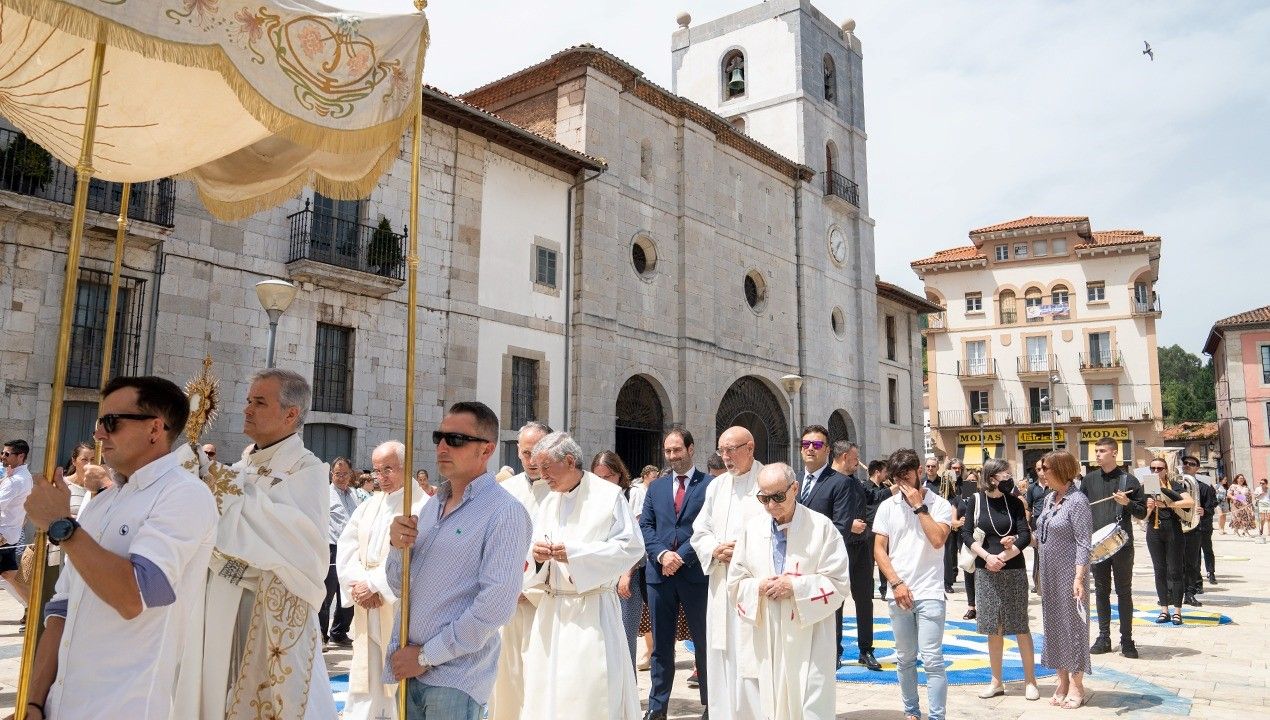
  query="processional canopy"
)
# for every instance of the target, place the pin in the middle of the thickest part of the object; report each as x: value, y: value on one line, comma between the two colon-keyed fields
x: 252, y: 101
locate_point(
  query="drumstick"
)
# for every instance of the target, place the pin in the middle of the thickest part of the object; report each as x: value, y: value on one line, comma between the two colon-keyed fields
x: 1109, y: 497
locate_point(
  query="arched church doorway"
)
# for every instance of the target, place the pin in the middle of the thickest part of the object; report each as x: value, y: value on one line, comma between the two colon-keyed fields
x: 752, y: 405
x: 638, y: 424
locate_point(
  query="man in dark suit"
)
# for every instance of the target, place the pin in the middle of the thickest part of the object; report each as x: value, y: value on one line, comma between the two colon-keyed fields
x: 828, y: 492
x: 846, y: 462
x: 876, y: 491
x: 1198, y: 542
x: 673, y: 573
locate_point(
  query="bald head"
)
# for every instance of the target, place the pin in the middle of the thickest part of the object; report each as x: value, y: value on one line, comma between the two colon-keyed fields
x: 778, y: 491
x: 736, y: 447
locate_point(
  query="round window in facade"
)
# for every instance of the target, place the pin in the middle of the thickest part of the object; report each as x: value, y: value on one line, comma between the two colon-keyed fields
x: 643, y: 255
x: 838, y: 321
x: 755, y: 290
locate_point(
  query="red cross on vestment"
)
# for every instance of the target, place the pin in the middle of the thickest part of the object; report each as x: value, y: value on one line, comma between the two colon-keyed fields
x: 740, y: 610
x: 823, y: 596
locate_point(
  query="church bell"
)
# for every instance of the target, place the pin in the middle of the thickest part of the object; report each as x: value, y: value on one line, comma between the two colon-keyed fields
x: 737, y: 83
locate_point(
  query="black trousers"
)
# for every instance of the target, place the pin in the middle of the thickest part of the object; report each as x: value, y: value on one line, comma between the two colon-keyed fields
x: 1118, y: 569
x: 950, y: 561
x: 1206, y: 547
x: 861, y: 572
x: 1190, y: 561
x: 664, y: 599
x: 1165, y: 546
x: 970, y: 588
x: 342, y: 620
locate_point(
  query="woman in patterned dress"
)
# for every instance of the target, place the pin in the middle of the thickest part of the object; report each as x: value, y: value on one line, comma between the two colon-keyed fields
x: 1064, y: 528
x: 1242, y: 516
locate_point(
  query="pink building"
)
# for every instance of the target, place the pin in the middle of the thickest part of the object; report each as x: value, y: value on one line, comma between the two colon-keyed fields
x: 1240, y: 347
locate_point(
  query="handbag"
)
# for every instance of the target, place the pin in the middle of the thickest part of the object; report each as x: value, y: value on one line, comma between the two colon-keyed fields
x: 966, y: 556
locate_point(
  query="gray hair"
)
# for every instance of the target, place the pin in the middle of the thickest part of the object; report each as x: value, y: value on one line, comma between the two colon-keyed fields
x: 786, y: 472
x: 294, y: 392
x: 558, y: 446
x: 842, y: 447
x: 398, y: 448
x: 534, y: 425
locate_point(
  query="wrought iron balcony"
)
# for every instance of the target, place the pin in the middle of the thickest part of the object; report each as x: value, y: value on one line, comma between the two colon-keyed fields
x: 966, y: 418
x: 1106, y: 361
x: 979, y: 369
x: 1147, y: 307
x: 336, y: 241
x: 1128, y: 412
x: 936, y: 322
x: 839, y: 185
x: 1034, y: 365
x: 1009, y: 317
x: 28, y: 169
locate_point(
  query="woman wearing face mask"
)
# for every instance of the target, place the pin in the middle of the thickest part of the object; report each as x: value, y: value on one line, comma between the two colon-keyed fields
x: 1001, y: 575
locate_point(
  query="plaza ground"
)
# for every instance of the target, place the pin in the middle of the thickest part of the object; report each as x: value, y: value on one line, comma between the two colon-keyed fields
x: 1196, y: 671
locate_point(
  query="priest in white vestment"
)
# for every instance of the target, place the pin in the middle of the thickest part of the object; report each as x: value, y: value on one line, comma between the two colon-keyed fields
x: 529, y: 488
x: 359, y: 558
x: 789, y: 575
x: 728, y: 508
x: 268, y: 571
x: 584, y: 538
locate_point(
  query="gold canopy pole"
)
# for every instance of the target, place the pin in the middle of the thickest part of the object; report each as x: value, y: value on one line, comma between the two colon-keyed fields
x: 83, y: 174
x: 412, y: 284
x: 108, y: 346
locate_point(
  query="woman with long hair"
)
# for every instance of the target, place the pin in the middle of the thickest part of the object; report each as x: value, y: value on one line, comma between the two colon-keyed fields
x: 1242, y: 516
x: 606, y: 465
x: 996, y: 531
x: 1064, y: 527
x: 74, y: 474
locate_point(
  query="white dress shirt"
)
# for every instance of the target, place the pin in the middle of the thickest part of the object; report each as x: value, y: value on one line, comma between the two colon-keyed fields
x: 13, y: 491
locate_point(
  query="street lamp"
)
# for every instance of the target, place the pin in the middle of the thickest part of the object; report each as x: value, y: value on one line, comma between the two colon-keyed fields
x: 1053, y: 378
x: 980, y: 416
x: 275, y: 296
x: 792, y: 384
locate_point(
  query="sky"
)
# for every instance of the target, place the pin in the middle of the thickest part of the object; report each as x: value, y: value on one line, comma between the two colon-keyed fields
x: 981, y: 112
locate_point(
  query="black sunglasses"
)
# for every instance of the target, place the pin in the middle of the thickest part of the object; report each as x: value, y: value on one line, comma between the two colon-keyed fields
x: 455, y: 440
x: 818, y: 444
x: 777, y: 498
x: 110, y: 422
x: 1158, y: 469
x: 1190, y: 462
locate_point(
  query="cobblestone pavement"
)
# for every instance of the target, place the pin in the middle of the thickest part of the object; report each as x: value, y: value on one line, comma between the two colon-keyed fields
x: 1197, y: 671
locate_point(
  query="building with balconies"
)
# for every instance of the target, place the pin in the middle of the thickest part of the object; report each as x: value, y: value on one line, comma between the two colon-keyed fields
x: 1046, y: 340
x: 1240, y: 348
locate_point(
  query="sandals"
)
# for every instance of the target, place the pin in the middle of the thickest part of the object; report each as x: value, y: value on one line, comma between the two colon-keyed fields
x: 1058, y: 698
x: 1071, y: 702
x: 1163, y: 617
x: 970, y: 614
x: 1177, y: 618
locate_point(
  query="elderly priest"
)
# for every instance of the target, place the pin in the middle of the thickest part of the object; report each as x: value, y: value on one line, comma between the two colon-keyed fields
x: 789, y: 575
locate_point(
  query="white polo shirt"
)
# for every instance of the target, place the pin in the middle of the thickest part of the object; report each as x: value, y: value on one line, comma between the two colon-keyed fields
x: 918, y: 563
x: 108, y: 667
x: 13, y: 492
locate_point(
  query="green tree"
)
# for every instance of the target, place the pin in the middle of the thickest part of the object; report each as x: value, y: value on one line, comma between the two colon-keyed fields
x: 1186, y: 386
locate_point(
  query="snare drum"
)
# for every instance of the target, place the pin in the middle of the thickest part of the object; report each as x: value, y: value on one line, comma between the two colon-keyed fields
x: 1106, y: 542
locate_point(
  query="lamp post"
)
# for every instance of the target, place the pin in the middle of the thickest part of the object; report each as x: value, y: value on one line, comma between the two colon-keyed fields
x: 1053, y: 378
x: 792, y: 384
x: 980, y: 416
x: 275, y: 296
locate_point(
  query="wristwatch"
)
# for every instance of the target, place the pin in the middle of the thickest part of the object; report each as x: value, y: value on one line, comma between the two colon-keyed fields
x: 921, y: 509
x: 61, y: 530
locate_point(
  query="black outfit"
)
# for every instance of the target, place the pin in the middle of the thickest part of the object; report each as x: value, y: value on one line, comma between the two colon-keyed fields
x: 1209, y: 501
x: 1035, y: 497
x: 860, y: 554
x: 339, y: 621
x: 875, y: 495
x: 1119, y: 567
x: 1193, y: 542
x: 1164, y: 542
x: 998, y: 518
x: 831, y: 496
x: 948, y: 486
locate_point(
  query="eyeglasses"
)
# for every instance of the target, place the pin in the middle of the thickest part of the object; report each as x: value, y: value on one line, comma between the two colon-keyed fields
x: 454, y: 439
x: 1158, y: 469
x: 725, y: 449
x: 110, y: 422
x: 1190, y: 462
x: 777, y: 498
x: 383, y: 471
x: 818, y: 444
x: 211, y: 454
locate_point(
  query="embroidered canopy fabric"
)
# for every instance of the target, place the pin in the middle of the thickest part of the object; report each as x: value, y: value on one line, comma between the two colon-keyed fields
x: 250, y: 100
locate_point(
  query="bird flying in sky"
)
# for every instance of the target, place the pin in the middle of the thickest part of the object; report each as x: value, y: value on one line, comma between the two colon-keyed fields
x: 1148, y: 51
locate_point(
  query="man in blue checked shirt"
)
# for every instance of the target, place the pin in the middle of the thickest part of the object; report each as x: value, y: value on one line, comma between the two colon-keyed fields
x: 469, y: 546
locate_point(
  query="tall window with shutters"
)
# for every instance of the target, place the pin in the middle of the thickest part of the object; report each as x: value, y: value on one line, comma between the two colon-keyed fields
x: 333, y: 369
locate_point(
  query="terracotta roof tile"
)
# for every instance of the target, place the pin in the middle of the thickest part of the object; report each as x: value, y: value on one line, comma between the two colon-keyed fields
x: 1190, y: 431
x: 904, y: 297
x: 1118, y: 237
x: 1031, y: 221
x: 968, y: 252
x: 1251, y: 317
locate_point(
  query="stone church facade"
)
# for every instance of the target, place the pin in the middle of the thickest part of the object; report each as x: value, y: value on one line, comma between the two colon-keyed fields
x: 597, y: 251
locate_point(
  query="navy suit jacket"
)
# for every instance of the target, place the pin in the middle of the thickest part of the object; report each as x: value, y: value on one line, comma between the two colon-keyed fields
x: 664, y: 529
x: 831, y: 496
